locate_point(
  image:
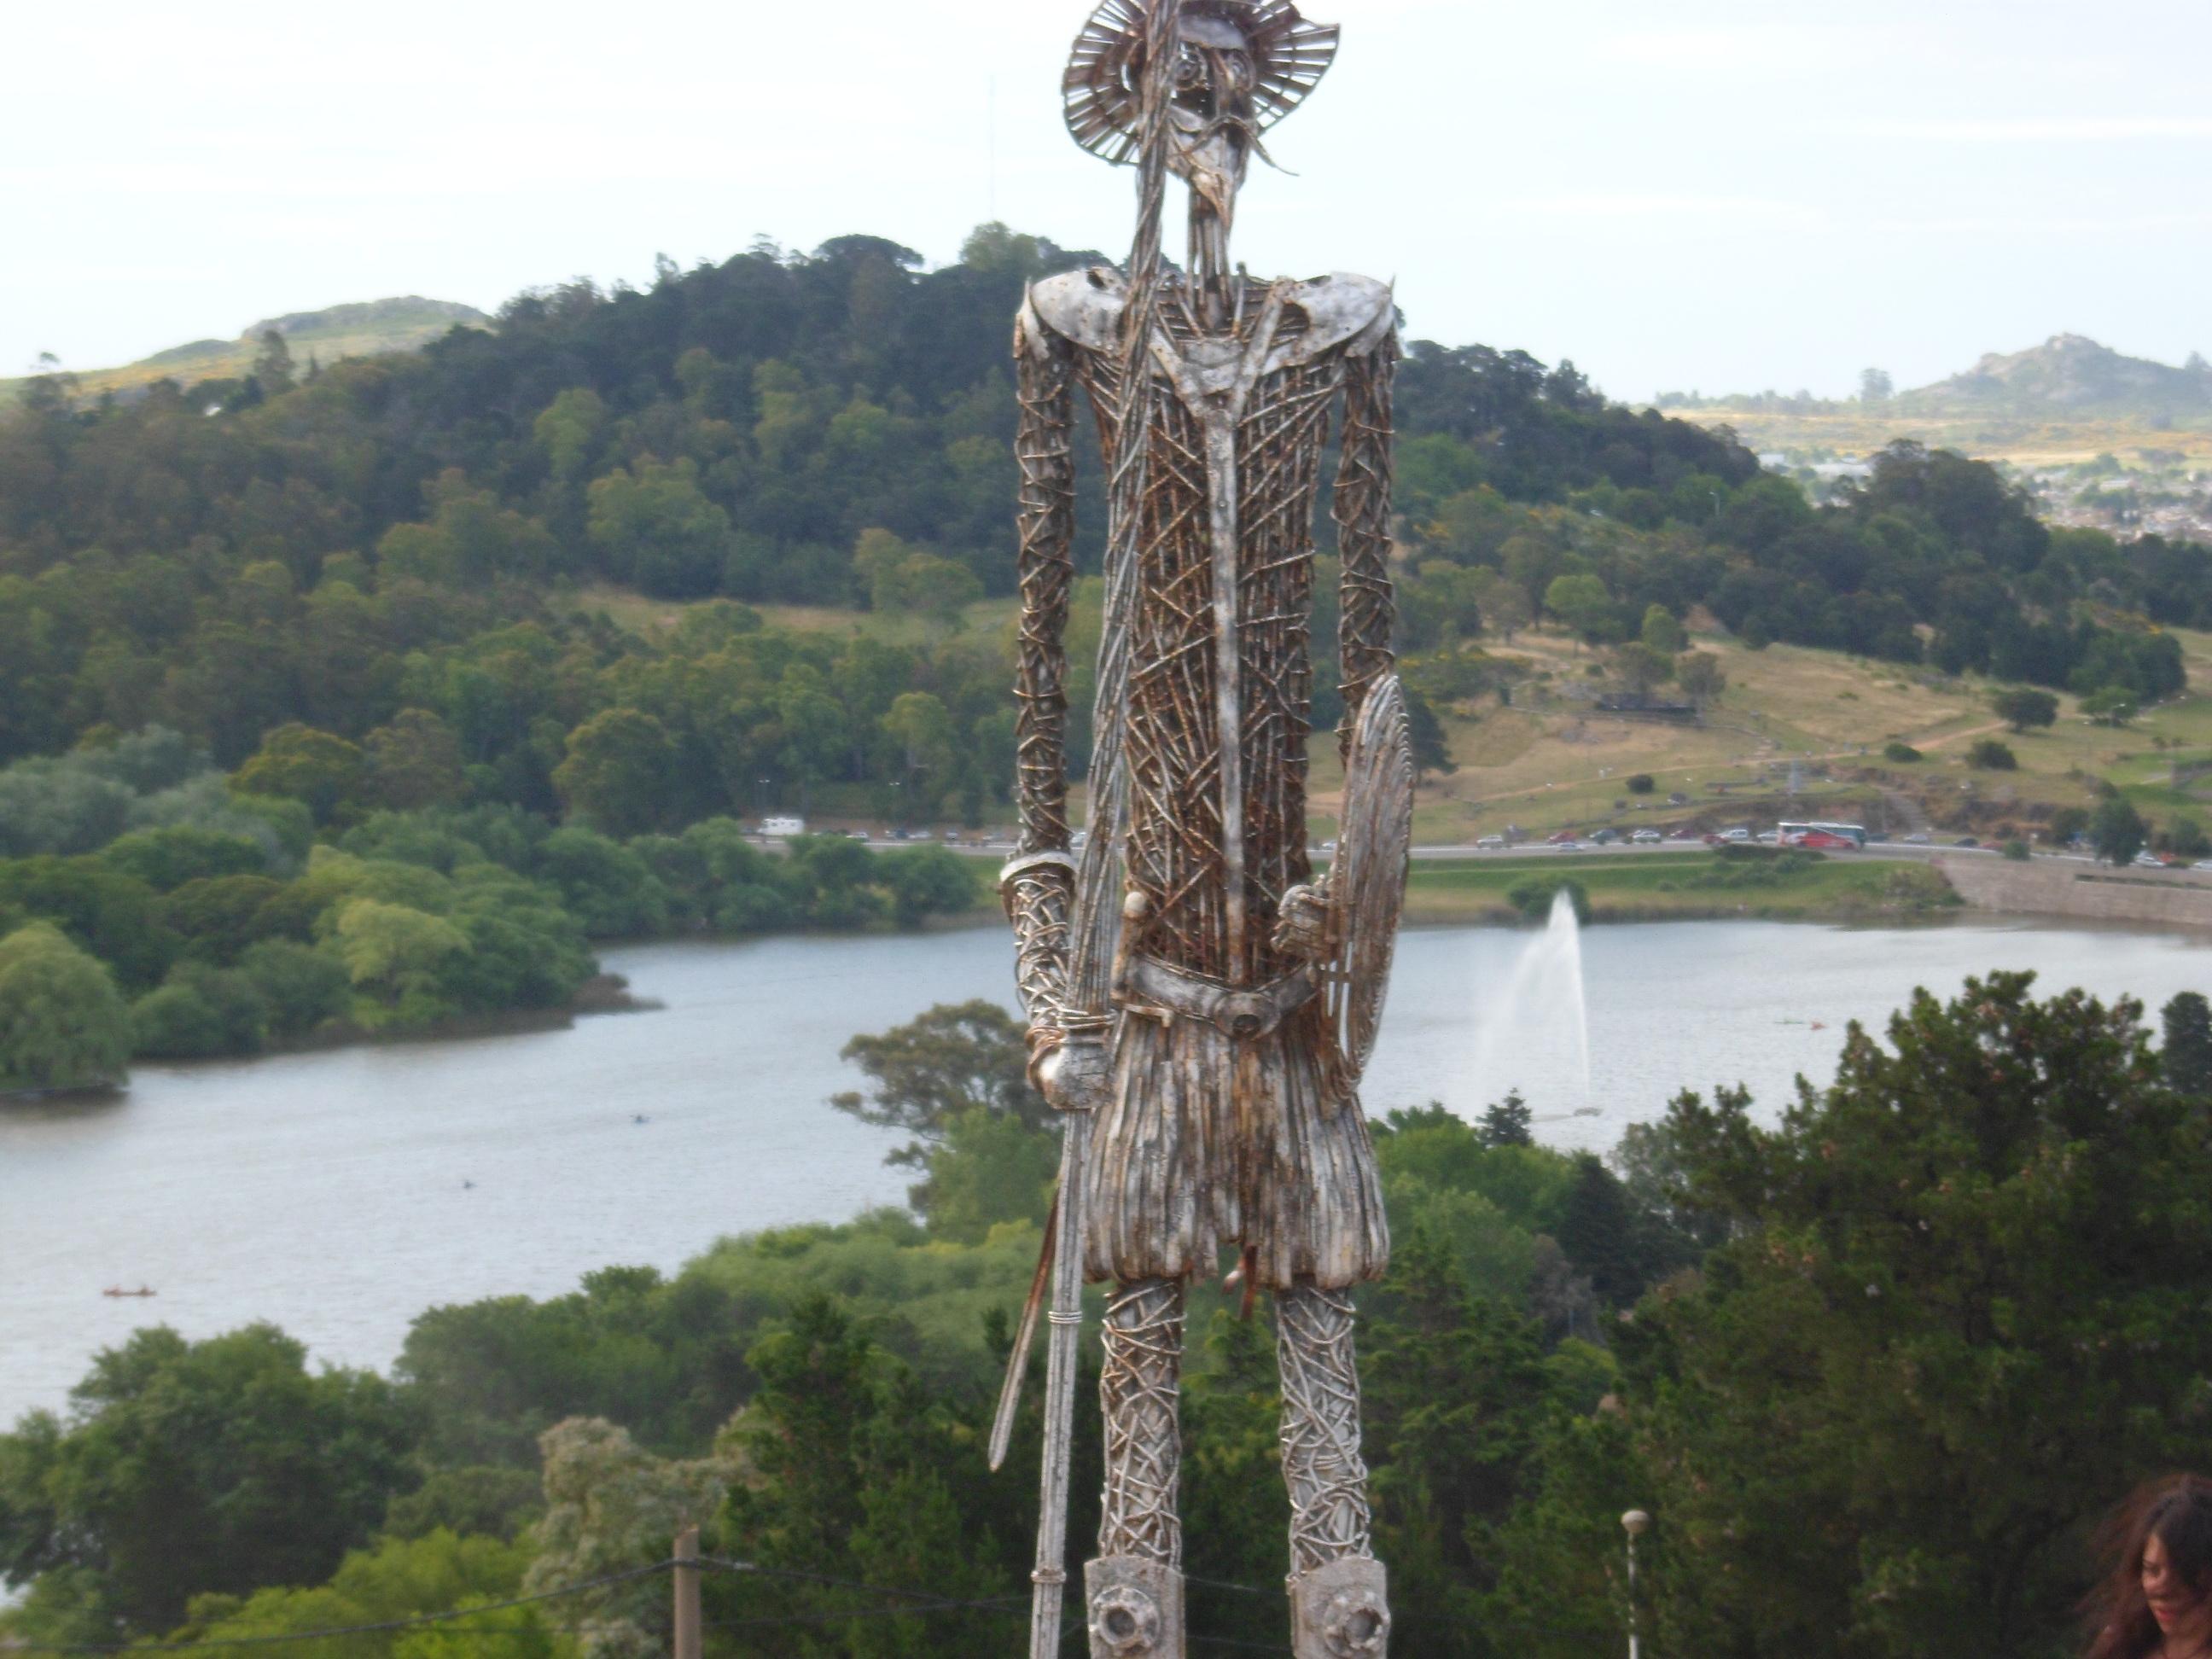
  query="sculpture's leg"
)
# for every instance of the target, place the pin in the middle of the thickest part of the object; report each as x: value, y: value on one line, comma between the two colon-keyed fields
x: 1339, y: 1604
x: 1135, y: 1586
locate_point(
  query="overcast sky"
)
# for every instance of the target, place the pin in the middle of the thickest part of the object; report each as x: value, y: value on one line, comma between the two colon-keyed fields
x: 1707, y: 194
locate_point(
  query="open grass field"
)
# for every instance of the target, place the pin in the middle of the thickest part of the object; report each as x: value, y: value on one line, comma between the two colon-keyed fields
x: 1549, y: 761
x: 1676, y: 886
x: 1985, y: 436
x: 986, y: 619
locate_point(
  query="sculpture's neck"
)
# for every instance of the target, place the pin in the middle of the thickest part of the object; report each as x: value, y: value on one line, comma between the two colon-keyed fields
x: 1210, y: 272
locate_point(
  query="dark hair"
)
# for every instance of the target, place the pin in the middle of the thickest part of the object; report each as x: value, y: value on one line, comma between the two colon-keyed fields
x: 2177, y: 1511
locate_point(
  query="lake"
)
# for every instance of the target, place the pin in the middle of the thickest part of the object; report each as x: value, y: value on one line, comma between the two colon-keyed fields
x: 339, y: 1193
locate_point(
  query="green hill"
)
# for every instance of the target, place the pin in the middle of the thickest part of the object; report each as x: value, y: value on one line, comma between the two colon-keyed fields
x: 362, y: 328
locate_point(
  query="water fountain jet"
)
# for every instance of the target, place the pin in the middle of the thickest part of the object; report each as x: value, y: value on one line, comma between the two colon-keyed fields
x: 1543, y: 1003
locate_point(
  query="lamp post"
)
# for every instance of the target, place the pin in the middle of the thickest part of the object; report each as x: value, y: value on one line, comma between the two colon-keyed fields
x: 1633, y: 1523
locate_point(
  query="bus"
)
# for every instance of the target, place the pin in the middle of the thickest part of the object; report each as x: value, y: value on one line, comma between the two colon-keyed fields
x: 1854, y: 833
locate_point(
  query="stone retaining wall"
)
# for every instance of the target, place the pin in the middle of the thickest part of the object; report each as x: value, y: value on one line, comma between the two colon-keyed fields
x: 2049, y: 887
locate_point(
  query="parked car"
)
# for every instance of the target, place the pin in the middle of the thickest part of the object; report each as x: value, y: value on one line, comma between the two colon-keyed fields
x: 1917, y: 838
x: 1769, y: 837
x: 1605, y: 838
x: 1737, y: 834
x: 2201, y: 864
x: 1491, y: 844
x: 1569, y: 845
x: 2147, y: 859
x: 1559, y: 837
x: 1647, y: 837
x: 1965, y: 840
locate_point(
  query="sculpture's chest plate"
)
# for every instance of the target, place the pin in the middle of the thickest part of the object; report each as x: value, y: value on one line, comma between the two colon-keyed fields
x: 1219, y: 675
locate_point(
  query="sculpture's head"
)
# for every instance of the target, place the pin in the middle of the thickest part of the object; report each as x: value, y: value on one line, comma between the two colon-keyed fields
x: 1242, y: 66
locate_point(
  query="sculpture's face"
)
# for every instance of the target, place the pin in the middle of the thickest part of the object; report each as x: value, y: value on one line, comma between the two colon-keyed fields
x: 1212, y: 111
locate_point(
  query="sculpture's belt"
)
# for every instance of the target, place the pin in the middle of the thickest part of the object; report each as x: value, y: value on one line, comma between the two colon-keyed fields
x: 1154, y: 987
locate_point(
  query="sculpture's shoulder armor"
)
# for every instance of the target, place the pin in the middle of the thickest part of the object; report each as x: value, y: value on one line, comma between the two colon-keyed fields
x: 1339, y: 310
x: 1342, y: 309
x: 1081, y: 305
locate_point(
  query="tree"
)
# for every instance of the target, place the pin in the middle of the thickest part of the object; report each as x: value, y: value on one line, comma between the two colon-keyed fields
x: 1952, y: 1252
x: 189, y: 1467
x: 1430, y: 753
x: 1701, y: 677
x: 62, y: 1023
x: 1640, y: 669
x: 469, y: 540
x: 299, y: 985
x: 2116, y: 831
x: 1876, y: 386
x: 953, y: 1058
x: 393, y: 954
x: 2019, y: 708
x: 1507, y: 1122
x: 1502, y: 602
x: 272, y: 363
x: 2186, y: 1059
x: 167, y: 858
x: 928, y: 881
x: 1598, y: 1234
x: 612, y: 1506
x: 1582, y: 603
x: 1988, y: 755
x: 199, y: 1012
x: 2111, y: 705
x: 414, y: 761
x: 655, y: 528
x: 1662, y: 632
x: 303, y: 764
x: 616, y: 772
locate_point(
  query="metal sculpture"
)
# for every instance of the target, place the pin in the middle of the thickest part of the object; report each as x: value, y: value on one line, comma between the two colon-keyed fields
x: 1200, y: 1006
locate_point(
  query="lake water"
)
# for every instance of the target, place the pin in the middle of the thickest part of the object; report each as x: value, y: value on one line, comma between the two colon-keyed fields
x: 337, y: 1194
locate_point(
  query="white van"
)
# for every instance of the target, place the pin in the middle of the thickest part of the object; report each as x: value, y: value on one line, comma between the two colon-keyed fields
x: 783, y: 826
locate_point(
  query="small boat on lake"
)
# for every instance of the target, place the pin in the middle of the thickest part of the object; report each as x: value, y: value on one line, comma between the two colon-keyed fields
x: 117, y: 1289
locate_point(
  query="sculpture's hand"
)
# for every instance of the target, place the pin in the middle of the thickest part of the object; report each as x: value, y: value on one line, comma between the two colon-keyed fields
x: 1302, y: 922
x: 1075, y: 1073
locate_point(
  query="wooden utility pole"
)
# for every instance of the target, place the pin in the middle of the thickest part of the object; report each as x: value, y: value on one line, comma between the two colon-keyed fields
x: 686, y: 1575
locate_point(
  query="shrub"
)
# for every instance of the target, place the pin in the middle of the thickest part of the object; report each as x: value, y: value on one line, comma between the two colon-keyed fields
x: 1988, y: 755
x: 2016, y: 850
x: 1533, y: 897
x: 1900, y: 754
x: 1641, y: 784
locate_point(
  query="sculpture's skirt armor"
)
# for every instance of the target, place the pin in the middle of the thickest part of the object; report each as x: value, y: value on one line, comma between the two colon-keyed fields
x: 1212, y: 1142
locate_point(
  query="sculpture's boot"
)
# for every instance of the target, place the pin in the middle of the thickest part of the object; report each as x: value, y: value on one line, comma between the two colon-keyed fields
x: 1340, y: 1611
x: 1136, y: 1608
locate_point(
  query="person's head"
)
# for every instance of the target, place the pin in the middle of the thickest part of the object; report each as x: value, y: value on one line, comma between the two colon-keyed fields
x: 2157, y: 1587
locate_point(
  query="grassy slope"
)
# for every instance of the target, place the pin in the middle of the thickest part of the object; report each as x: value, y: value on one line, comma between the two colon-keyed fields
x: 1548, y: 763
x: 394, y: 328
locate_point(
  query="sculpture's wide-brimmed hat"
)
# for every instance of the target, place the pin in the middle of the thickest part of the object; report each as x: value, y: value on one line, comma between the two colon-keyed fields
x: 1290, y: 53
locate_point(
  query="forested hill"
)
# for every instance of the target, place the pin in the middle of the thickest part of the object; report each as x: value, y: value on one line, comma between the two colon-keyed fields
x: 835, y: 428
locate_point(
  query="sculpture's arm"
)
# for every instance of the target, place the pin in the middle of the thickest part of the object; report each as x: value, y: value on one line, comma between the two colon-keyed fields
x: 1362, y: 511
x: 1038, y: 886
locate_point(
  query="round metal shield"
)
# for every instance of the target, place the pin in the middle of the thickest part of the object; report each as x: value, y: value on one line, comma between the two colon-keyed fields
x: 1367, y: 881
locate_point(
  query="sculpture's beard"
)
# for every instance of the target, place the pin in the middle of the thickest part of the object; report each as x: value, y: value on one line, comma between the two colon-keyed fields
x: 1210, y: 157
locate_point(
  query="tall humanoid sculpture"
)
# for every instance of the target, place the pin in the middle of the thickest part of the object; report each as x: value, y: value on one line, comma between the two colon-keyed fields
x: 1200, y: 1007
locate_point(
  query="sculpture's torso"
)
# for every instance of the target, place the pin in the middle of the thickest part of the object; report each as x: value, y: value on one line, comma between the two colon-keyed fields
x: 1216, y: 737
